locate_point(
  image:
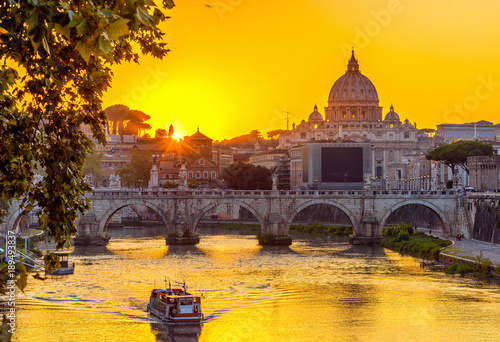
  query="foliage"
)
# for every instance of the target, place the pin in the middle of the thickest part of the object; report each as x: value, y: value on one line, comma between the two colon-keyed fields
x: 275, y: 133
x: 318, y: 228
x: 5, y: 335
x: 56, y: 65
x: 456, y: 154
x: 161, y: 133
x: 92, y: 166
x: 240, y: 176
x: 418, y: 244
x: 482, y: 264
x: 52, y: 262
x: 265, y: 239
x: 400, y: 232
x: 137, y: 172
x: 192, y: 184
x: 169, y: 185
x: 459, y: 268
x: 22, y: 277
x: 249, y: 140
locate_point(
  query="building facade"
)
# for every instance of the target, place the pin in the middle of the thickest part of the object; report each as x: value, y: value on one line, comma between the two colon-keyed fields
x: 353, y: 114
x: 484, y: 173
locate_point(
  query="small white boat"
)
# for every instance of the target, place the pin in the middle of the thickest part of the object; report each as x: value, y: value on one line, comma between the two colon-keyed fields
x: 175, y: 306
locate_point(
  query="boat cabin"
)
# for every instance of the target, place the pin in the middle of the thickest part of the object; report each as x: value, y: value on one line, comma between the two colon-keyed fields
x: 64, y: 258
x: 175, y: 305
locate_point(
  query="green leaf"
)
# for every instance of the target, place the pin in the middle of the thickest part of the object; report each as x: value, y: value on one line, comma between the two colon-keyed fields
x: 84, y: 51
x: 52, y: 261
x: 62, y: 30
x: 82, y: 28
x: 105, y: 45
x: 118, y: 28
x: 150, y: 3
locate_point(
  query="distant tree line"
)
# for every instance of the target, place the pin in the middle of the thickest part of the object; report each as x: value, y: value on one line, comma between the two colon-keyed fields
x: 240, y: 176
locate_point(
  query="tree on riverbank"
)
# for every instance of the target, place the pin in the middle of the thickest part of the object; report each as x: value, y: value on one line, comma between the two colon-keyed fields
x: 454, y: 155
x: 137, y: 172
x: 55, y: 66
x: 240, y: 176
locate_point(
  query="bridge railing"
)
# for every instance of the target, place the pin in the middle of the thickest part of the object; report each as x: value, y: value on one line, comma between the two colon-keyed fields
x: 125, y: 193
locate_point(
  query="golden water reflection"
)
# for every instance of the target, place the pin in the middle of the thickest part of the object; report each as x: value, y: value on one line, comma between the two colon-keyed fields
x: 319, y: 289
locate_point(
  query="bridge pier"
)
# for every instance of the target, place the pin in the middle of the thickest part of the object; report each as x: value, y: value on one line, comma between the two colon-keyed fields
x: 183, y: 233
x: 370, y: 232
x: 89, y: 233
x: 274, y: 231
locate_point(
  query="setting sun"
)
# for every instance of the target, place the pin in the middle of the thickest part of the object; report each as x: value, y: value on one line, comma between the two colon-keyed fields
x: 236, y: 66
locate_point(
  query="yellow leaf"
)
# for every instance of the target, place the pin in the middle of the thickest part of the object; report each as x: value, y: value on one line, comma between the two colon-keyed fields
x: 83, y: 50
x: 22, y: 281
x: 118, y: 28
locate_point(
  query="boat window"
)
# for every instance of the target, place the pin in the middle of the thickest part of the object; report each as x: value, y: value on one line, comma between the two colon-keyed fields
x: 185, y: 302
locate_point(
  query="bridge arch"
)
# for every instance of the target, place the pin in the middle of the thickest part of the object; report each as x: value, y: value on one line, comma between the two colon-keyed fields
x: 218, y: 202
x: 11, y: 222
x: 103, y: 221
x: 440, y: 214
x: 350, y: 215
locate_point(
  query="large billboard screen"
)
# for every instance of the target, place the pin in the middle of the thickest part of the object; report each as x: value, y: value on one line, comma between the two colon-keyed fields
x: 341, y: 164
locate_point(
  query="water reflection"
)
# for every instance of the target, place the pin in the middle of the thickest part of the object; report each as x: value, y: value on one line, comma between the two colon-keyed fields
x: 176, y: 332
x: 91, y: 251
x: 319, y: 289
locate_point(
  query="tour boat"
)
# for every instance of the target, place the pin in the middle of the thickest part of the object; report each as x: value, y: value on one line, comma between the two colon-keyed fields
x: 175, y: 306
x: 66, y: 267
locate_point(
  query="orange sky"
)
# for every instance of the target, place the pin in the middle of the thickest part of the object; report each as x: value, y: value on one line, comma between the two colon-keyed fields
x: 239, y: 64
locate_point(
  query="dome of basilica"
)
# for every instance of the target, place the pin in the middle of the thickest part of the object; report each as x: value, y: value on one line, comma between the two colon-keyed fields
x: 315, y: 116
x: 392, y: 115
x: 353, y: 86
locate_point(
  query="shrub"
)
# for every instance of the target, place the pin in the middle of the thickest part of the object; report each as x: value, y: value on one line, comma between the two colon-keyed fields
x: 458, y: 267
x: 397, y: 230
x: 267, y: 238
x: 482, y: 264
x: 319, y: 228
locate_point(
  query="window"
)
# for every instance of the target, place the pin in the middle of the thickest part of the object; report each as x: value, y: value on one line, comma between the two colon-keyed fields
x: 190, y: 174
x: 407, y: 135
x: 205, y: 174
x: 198, y: 174
x: 379, y: 154
x: 302, y: 136
x: 213, y: 175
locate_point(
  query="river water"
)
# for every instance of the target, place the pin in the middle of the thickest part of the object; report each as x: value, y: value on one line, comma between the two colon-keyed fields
x: 319, y: 289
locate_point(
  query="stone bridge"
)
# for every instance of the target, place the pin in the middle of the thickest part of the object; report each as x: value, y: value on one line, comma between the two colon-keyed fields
x: 181, y: 210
